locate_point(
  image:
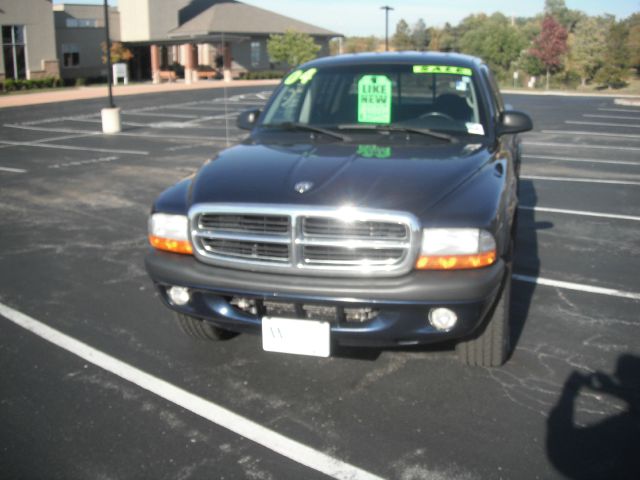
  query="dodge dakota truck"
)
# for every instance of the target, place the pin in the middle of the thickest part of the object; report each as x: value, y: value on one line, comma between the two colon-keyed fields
x: 373, y: 204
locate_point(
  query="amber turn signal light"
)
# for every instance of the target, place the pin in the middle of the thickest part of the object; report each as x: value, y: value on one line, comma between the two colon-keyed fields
x: 456, y: 262
x: 169, y: 245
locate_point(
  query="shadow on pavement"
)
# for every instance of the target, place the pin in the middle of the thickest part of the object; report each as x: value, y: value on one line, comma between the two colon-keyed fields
x: 609, y: 449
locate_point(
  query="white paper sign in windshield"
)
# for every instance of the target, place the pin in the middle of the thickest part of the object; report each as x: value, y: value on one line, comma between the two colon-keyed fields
x: 374, y: 99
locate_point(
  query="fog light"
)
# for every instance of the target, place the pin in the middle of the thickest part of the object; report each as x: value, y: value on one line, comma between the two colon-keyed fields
x: 179, y: 295
x: 443, y: 319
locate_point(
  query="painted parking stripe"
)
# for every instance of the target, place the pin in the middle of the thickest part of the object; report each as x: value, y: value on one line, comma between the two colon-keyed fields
x: 161, y: 114
x: 575, y: 146
x: 580, y: 287
x: 158, y: 125
x: 580, y: 213
x: 630, y: 136
x: 579, y: 180
x: 579, y: 160
x: 623, y: 110
x: 12, y: 170
x: 53, y: 139
x: 123, y: 134
x: 600, y: 124
x: 206, y: 409
x: 615, y: 117
x: 71, y: 147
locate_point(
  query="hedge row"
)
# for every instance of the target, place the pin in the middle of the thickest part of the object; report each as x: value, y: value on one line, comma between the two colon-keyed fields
x: 11, y: 85
x: 263, y: 75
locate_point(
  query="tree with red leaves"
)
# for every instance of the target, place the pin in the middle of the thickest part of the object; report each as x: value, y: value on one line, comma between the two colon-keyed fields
x: 550, y: 44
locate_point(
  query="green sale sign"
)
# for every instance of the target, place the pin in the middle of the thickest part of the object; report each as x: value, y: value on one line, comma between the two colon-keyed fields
x: 374, y: 99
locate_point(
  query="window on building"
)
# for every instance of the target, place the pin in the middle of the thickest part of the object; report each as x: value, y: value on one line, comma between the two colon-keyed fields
x: 255, y: 54
x: 81, y: 23
x: 70, y: 55
x: 13, y: 48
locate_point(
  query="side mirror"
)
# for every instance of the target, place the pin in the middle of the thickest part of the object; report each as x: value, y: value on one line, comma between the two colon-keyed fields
x: 247, y: 119
x: 514, y: 122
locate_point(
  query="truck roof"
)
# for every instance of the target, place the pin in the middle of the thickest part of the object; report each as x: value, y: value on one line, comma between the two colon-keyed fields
x: 398, y: 58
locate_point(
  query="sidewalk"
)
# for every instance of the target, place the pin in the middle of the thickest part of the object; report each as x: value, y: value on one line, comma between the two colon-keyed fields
x: 84, y: 93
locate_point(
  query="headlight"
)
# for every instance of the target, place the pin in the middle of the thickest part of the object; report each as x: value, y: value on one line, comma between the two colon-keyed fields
x: 170, y: 233
x: 456, y: 249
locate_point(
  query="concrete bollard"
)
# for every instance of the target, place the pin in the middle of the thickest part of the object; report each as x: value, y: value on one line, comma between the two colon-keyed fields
x: 111, y: 120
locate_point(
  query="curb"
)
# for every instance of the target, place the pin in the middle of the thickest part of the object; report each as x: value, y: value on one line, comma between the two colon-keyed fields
x: 86, y: 93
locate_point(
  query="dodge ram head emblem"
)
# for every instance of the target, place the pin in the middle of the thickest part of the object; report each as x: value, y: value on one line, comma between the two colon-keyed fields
x: 303, y: 187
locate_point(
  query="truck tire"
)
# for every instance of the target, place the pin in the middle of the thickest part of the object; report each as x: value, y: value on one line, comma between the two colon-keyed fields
x: 491, y: 347
x: 197, y: 328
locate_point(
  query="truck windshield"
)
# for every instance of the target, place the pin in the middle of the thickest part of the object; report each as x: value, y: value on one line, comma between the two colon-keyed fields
x: 434, y: 97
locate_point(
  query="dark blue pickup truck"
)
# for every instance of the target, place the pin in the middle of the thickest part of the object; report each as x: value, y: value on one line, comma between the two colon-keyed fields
x: 374, y: 203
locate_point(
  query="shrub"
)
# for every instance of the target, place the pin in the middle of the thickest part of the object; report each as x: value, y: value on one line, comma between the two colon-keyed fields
x: 80, y: 82
x: 264, y: 75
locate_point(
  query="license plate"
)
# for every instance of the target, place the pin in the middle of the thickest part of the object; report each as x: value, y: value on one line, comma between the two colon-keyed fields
x: 300, y: 337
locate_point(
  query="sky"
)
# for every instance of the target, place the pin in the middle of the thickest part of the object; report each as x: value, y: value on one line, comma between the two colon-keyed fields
x: 364, y: 17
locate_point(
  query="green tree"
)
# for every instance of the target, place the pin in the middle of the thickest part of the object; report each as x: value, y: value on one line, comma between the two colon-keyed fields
x: 566, y: 17
x: 420, y: 36
x: 494, y: 40
x: 292, y: 48
x: 588, y: 46
x: 633, y: 41
x: 614, y: 73
x: 361, y: 44
x: 401, y: 40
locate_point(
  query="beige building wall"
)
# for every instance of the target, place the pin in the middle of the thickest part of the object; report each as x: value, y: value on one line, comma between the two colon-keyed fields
x: 79, y: 36
x: 134, y: 20
x: 39, y: 37
x: 143, y: 20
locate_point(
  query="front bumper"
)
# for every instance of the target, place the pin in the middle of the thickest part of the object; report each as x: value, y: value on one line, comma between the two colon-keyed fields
x: 402, y: 303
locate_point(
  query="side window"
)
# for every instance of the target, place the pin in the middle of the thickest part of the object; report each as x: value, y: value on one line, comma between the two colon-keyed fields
x: 498, y: 102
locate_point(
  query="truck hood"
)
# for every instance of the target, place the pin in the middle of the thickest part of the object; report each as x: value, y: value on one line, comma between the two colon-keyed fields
x: 407, y: 178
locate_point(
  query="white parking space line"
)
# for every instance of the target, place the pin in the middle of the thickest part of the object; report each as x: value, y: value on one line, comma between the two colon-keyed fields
x: 123, y: 134
x: 206, y: 409
x: 579, y: 180
x: 580, y: 287
x: 580, y: 160
x: 623, y: 110
x: 158, y: 125
x: 12, y: 170
x: 71, y: 147
x: 53, y: 139
x: 630, y: 136
x: 601, y: 124
x: 201, y: 109
x: 583, y: 213
x: 618, y: 117
x: 161, y: 114
x: 576, y: 146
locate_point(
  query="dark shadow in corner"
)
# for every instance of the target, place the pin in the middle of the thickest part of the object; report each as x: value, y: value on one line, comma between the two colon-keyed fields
x: 609, y: 449
x: 526, y: 261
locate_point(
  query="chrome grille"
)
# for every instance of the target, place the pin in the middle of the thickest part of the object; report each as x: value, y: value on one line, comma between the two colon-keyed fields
x: 272, y: 224
x: 332, y: 227
x: 253, y: 250
x: 305, y: 240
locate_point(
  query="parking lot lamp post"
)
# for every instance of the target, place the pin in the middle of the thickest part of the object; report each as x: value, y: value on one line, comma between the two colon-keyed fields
x: 386, y: 9
x: 111, y: 114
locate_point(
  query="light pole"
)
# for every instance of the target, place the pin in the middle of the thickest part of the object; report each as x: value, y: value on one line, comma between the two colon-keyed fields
x: 111, y: 114
x: 386, y: 9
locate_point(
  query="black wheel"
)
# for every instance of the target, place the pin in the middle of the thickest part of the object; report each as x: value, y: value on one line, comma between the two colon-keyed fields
x: 197, y: 328
x: 490, y: 348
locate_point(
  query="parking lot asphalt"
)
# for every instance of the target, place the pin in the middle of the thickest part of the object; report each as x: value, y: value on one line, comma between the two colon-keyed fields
x: 135, y: 399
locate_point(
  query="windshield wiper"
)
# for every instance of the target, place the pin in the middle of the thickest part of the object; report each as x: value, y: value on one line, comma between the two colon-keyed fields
x: 399, y: 128
x: 308, y: 128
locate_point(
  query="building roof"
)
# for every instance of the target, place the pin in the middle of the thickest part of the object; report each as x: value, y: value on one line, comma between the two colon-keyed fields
x: 235, y: 17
